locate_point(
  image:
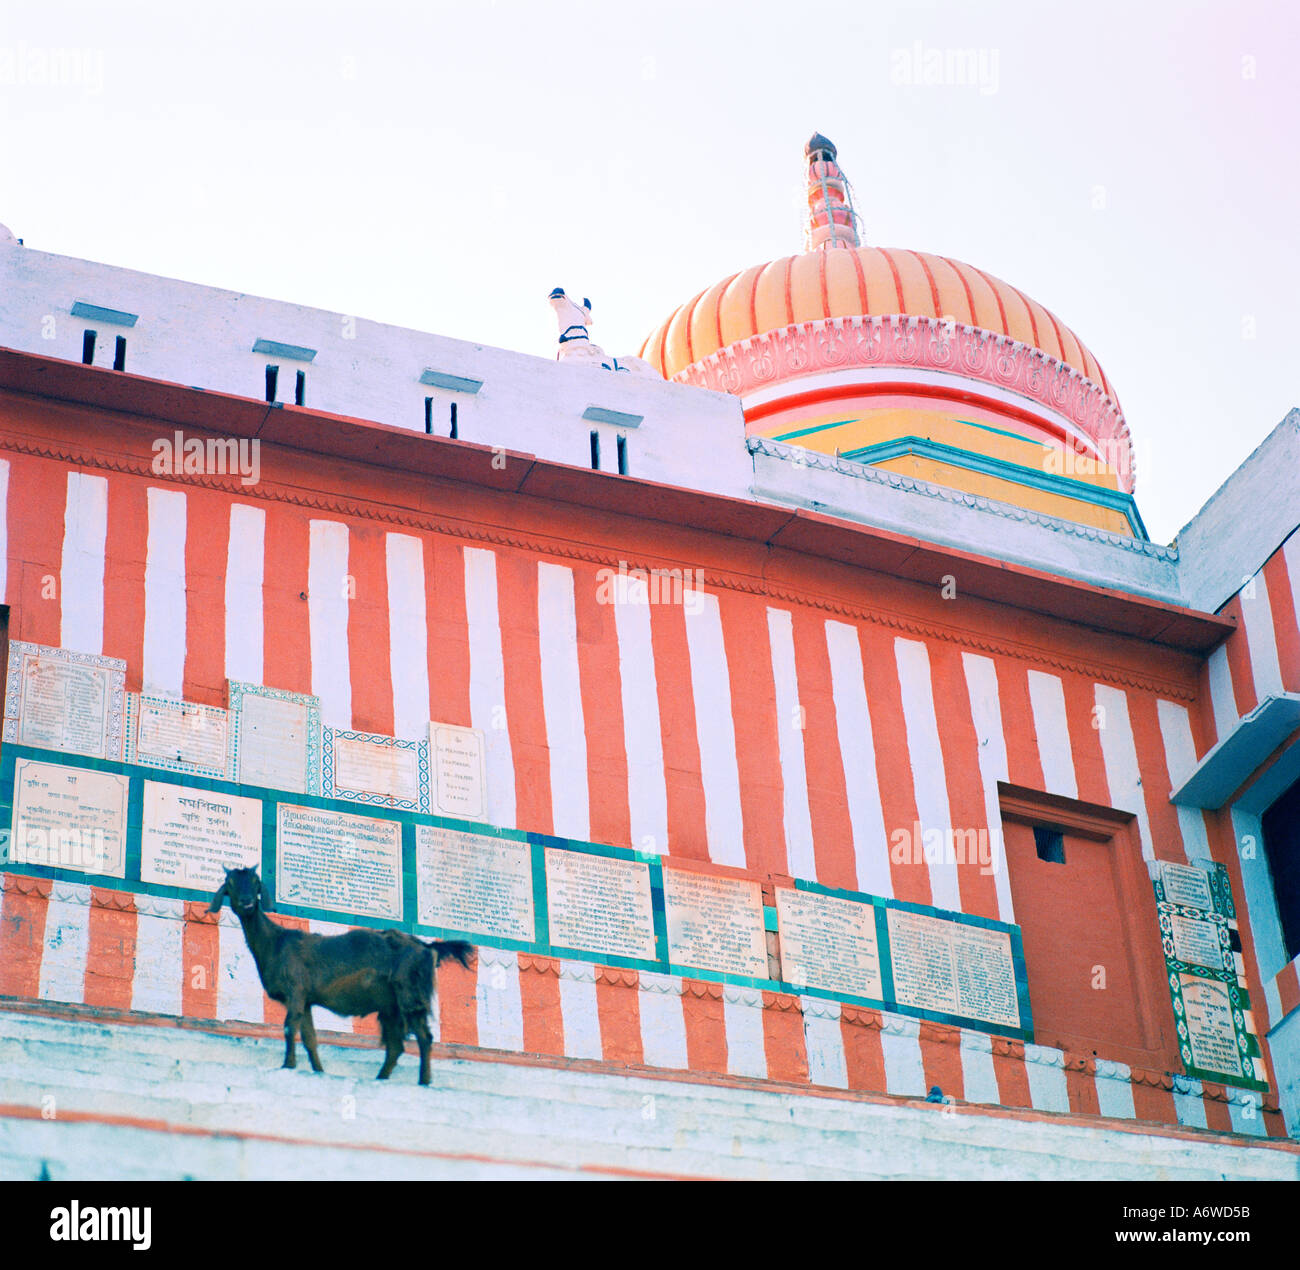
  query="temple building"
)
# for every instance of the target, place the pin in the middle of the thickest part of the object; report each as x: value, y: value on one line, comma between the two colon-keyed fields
x: 832, y: 776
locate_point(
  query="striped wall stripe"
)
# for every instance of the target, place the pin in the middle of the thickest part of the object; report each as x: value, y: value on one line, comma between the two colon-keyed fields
x: 1289, y: 638
x: 1222, y: 702
x: 1045, y: 1068
x: 578, y: 1009
x: 164, y: 594
x: 901, y: 1047
x: 742, y: 1010
x: 499, y: 1004
x: 239, y: 990
x: 81, y: 581
x: 4, y: 531
x: 1189, y: 1102
x: 1257, y: 883
x: 1120, y: 757
x: 824, y: 1043
x: 986, y: 714
x: 928, y: 775
x: 328, y: 589
x: 858, y: 756
x: 1047, y: 699
x: 1180, y: 756
x: 791, y: 720
x: 979, y: 1077
x: 647, y: 790
x: 408, y: 648
x: 1261, y: 640
x: 245, y: 567
x: 663, y: 1022
x: 159, y: 931
x: 566, y: 736
x: 67, y: 943
x: 711, y: 688
x: 1115, y: 1091
x: 487, y: 682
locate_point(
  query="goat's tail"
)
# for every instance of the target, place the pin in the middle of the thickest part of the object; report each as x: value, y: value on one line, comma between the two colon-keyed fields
x: 452, y: 950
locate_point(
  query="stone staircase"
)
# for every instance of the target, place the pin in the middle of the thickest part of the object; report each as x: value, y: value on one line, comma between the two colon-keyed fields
x: 97, y: 1099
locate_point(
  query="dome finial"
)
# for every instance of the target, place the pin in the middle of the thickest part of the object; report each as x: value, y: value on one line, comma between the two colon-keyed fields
x: 832, y: 222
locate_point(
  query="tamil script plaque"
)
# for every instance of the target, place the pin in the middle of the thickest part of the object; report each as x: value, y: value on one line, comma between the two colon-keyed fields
x: 1186, y: 885
x: 715, y: 923
x: 181, y: 736
x: 829, y: 943
x: 599, y: 904
x: 347, y: 864
x: 368, y: 767
x: 459, y: 772
x: 1210, y: 1028
x: 69, y: 818
x: 57, y: 699
x: 953, y: 968
x: 474, y: 882
x: 1196, y: 942
x: 277, y: 738
x: 189, y: 837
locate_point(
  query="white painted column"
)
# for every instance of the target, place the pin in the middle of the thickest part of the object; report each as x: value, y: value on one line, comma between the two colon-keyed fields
x: 566, y: 732
x: 858, y: 755
x: 928, y: 776
x: 824, y: 1043
x: 663, y: 1020
x: 239, y: 989
x: 500, y: 1008
x: 578, y: 1009
x: 715, y: 729
x: 790, y: 723
x: 900, y: 1043
x: 979, y: 1076
x: 487, y: 682
x: 1045, y: 1067
x: 986, y: 713
x: 164, y: 594
x: 408, y: 636
x: 1119, y: 755
x: 1052, y: 728
x: 742, y: 1012
x: 245, y: 570
x: 4, y: 530
x: 1222, y: 700
x: 81, y: 574
x: 67, y: 943
x: 159, y: 954
x: 328, y: 593
x: 1261, y: 638
x: 647, y: 786
x: 1180, y: 758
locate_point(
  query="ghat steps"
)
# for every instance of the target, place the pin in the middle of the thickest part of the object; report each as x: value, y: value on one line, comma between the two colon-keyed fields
x: 141, y: 1100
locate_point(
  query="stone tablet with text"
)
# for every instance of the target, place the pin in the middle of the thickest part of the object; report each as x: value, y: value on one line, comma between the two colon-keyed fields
x: 181, y: 736
x: 189, y: 837
x: 599, y: 904
x: 459, y: 772
x: 829, y: 943
x: 277, y: 738
x: 57, y: 699
x: 331, y: 860
x: 69, y: 818
x: 715, y: 923
x: 475, y: 883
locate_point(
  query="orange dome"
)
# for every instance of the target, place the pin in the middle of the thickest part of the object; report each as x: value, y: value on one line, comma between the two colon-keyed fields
x: 859, y: 282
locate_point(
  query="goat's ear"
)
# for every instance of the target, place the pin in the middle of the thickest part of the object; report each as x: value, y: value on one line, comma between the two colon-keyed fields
x: 217, y: 900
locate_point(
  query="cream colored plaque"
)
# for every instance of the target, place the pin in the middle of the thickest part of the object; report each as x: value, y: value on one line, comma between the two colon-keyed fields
x: 459, y: 772
x: 189, y: 837
x: 69, y: 818
x: 474, y: 882
x: 599, y: 904
x: 829, y: 943
x: 715, y: 923
x: 347, y: 864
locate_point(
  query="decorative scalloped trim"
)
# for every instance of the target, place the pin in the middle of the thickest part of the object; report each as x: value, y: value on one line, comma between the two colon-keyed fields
x: 916, y: 343
x: 913, y: 485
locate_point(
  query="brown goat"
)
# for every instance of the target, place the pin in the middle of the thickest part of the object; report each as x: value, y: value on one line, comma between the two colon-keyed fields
x: 359, y: 972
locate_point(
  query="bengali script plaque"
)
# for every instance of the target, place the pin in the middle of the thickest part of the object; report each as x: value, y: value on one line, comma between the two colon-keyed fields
x: 189, y: 837
x: 715, y: 923
x: 347, y: 864
x: 1196, y: 942
x: 69, y: 818
x: 182, y: 736
x: 1186, y: 885
x: 474, y: 882
x: 57, y: 699
x: 599, y: 904
x: 1210, y: 1028
x: 829, y: 943
x: 459, y: 772
x: 953, y: 968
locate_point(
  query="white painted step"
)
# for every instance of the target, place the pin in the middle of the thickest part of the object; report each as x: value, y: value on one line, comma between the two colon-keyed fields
x: 141, y: 1100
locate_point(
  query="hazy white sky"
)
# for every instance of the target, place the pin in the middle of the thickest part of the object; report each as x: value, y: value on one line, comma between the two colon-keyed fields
x: 1134, y: 166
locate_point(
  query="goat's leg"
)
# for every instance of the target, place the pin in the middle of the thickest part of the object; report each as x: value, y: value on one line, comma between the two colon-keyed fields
x: 393, y: 1040
x: 308, y: 1029
x: 290, y: 1026
x: 420, y: 1024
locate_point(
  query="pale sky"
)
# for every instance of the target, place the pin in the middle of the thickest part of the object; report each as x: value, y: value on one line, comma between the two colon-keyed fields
x: 1133, y: 166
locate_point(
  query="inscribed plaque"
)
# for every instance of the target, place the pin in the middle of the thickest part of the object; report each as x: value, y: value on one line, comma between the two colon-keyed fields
x: 189, y: 837
x: 347, y: 864
x: 58, y: 699
x: 474, y: 882
x: 367, y: 767
x: 600, y: 904
x: 1196, y: 942
x: 829, y: 943
x: 69, y: 818
x: 181, y: 736
x: 1210, y: 1028
x: 715, y: 923
x: 1186, y: 885
x: 277, y: 738
x: 460, y: 780
x: 953, y: 968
